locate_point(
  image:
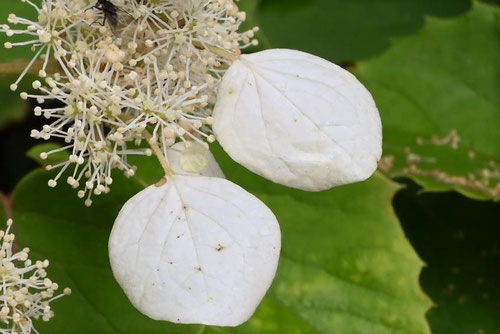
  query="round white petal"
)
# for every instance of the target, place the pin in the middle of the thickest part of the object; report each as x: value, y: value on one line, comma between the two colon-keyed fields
x: 195, y: 250
x: 193, y: 160
x: 298, y: 120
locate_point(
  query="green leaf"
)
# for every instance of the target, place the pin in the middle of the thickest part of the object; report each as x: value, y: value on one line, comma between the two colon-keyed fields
x: 13, y: 108
x: 437, y: 92
x: 458, y: 239
x: 250, y: 7
x: 332, y: 244
x: 338, y: 257
x: 53, y: 158
x: 21, y: 9
x: 346, y: 266
x: 3, y: 214
x: 345, y: 31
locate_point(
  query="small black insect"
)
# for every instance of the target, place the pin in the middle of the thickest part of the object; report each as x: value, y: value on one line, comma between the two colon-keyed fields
x: 109, y: 11
x: 116, y: 17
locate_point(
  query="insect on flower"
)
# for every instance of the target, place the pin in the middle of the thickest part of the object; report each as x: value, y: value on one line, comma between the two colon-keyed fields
x: 116, y: 17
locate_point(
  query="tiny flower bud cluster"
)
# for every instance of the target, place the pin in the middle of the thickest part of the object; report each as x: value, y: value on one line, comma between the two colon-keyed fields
x: 148, y: 76
x: 26, y: 292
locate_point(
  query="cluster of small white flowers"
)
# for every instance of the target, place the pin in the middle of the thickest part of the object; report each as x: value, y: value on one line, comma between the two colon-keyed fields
x: 26, y: 292
x: 151, y: 74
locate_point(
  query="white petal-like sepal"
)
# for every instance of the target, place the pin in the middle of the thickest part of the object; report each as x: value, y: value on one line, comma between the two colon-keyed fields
x: 195, y: 250
x: 193, y: 160
x: 298, y: 120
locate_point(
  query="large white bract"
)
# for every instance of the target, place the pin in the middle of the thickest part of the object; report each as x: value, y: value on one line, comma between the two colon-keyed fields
x: 298, y: 120
x: 195, y: 250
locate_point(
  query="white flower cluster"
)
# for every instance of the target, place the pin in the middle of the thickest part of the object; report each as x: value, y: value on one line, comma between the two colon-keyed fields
x: 26, y: 292
x: 151, y: 72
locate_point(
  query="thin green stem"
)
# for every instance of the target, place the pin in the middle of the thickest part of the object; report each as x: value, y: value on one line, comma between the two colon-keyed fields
x: 155, y: 147
x: 220, y: 52
x: 159, y: 154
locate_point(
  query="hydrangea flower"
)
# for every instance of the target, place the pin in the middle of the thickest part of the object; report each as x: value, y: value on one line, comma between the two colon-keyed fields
x: 26, y: 291
x: 155, y: 80
x: 168, y: 77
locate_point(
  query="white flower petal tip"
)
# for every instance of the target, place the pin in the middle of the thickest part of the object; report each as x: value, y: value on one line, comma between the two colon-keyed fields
x: 193, y: 160
x: 298, y: 120
x: 195, y: 250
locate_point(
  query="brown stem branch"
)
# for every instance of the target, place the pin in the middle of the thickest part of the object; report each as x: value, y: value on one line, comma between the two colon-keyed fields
x: 17, y: 66
x: 219, y: 51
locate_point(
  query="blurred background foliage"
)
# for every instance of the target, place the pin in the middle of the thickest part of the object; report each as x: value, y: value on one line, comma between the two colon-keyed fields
x: 352, y: 256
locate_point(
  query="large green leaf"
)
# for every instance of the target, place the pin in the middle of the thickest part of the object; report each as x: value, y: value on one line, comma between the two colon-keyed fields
x: 444, y: 76
x: 443, y: 80
x: 338, y: 252
x: 346, y: 266
x: 458, y: 239
x: 344, y: 31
